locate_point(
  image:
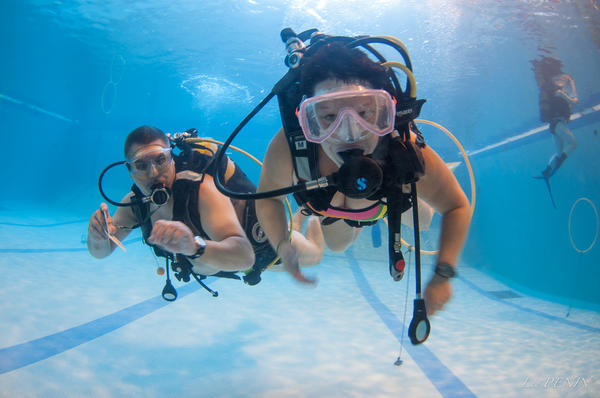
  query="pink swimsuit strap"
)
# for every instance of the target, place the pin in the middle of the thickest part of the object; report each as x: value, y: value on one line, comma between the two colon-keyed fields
x: 374, y: 212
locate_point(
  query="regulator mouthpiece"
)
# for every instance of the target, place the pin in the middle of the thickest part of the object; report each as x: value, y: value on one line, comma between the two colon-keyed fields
x: 360, y: 176
x: 159, y: 196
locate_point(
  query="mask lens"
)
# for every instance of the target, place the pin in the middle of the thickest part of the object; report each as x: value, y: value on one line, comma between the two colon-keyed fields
x: 140, y: 166
x: 160, y: 158
x: 321, y: 116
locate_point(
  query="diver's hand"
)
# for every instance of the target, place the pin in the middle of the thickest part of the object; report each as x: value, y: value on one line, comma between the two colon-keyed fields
x: 437, y: 293
x: 563, y: 94
x: 289, y: 258
x: 101, y: 224
x: 173, y: 236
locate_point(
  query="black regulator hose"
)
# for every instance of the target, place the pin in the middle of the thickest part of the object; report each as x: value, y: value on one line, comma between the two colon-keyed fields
x: 365, y: 43
x: 289, y: 77
x: 112, y: 202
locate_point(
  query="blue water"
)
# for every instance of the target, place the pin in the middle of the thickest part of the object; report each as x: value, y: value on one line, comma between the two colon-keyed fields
x: 77, y: 76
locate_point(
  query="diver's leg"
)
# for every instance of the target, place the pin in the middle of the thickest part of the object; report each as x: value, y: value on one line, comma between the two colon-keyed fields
x: 310, y: 246
x: 298, y: 220
x: 339, y: 235
x: 426, y: 213
x: 560, y: 133
x: 568, y: 141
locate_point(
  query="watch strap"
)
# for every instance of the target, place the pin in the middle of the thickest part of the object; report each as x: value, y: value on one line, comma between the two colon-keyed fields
x: 445, y: 270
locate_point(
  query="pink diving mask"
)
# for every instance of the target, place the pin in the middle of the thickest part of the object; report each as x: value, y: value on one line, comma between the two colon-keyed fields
x: 347, y: 114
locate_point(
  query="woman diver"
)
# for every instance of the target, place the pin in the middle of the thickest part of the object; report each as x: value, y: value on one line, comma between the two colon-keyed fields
x: 349, y: 115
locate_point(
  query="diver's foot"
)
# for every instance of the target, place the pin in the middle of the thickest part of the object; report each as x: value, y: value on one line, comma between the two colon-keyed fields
x: 546, y: 173
x: 253, y: 277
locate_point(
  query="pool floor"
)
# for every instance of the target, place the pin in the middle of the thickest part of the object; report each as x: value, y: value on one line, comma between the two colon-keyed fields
x: 73, y: 326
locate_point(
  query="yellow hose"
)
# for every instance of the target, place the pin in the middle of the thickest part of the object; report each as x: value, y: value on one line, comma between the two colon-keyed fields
x: 411, y: 77
x: 469, y: 168
x: 396, y: 41
x: 464, y: 154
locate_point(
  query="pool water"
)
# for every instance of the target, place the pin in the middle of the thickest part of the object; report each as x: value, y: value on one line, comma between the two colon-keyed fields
x: 77, y: 76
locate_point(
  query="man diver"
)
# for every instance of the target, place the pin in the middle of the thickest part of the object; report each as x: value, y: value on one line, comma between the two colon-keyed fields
x: 191, y: 220
x: 348, y: 111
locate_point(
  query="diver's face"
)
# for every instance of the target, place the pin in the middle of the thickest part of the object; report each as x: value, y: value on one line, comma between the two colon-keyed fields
x: 349, y: 134
x: 151, y: 164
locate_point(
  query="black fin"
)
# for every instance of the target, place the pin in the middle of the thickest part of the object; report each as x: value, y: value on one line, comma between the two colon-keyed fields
x: 547, y: 179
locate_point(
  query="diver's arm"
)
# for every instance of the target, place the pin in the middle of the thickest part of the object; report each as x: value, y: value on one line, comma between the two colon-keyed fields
x: 572, y: 91
x: 441, y: 190
x: 98, y: 243
x: 277, y: 172
x: 567, y: 88
x: 229, y: 248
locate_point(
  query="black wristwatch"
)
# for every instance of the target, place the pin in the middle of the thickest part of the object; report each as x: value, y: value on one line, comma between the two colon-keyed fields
x: 201, y: 247
x: 445, y: 270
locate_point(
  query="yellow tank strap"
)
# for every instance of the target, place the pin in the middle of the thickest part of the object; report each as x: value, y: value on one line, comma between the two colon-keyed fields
x: 211, y: 150
x: 230, y: 169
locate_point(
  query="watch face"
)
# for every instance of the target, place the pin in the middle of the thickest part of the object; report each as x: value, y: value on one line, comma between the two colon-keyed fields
x: 200, y: 241
x: 201, y: 247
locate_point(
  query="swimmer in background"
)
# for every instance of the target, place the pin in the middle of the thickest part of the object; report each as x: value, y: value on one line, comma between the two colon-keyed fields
x: 557, y: 94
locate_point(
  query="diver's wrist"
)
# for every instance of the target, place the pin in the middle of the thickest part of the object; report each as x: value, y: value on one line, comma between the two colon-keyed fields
x: 438, y: 279
x: 200, y: 248
x: 443, y: 273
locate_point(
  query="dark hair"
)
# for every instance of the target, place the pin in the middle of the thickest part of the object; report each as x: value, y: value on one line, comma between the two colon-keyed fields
x: 144, y: 135
x: 337, y: 61
x: 545, y: 69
